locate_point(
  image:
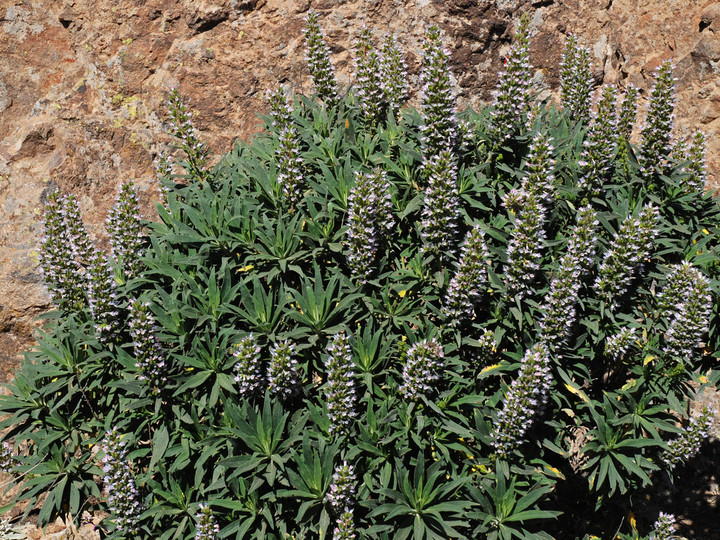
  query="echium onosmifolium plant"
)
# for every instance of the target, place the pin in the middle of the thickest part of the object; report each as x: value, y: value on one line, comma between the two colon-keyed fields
x: 394, y: 74
x: 656, y: 132
x: 687, y: 443
x: 689, y: 321
x: 182, y: 127
x: 441, y: 210
x: 370, y: 219
x: 123, y: 497
x: 466, y: 286
x: 340, y: 391
x: 319, y: 64
x: 694, y: 154
x: 345, y: 526
x: 124, y: 226
x: 679, y: 281
x: 63, y: 273
x: 664, y: 527
x: 439, y: 123
x: 540, y: 180
x: 526, y: 244
x: 525, y: 399
x: 280, y: 109
x: 283, y: 376
x: 422, y: 370
x: 620, y: 343
x: 207, y: 527
x: 7, y: 457
x: 599, y: 147
x: 102, y: 296
x: 628, y: 112
x: 576, y: 81
x: 485, y: 349
x: 149, y: 355
x: 289, y: 166
x: 631, y: 246
x: 163, y: 171
x: 370, y: 90
x: 249, y: 371
x: 342, y: 499
x: 560, y: 303
x: 512, y: 97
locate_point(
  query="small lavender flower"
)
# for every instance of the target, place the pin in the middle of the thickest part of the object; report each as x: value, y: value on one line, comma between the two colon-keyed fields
x: 249, y: 372
x: 207, y: 526
x: 370, y: 219
x: 163, y: 172
x: 319, y: 64
x: 7, y: 457
x: 123, y: 498
x: 539, y: 181
x: 630, y: 247
x: 149, y: 356
x: 524, y: 250
x: 525, y: 399
x: 656, y: 133
x: 289, y: 165
x: 441, y: 213
x: 512, y: 97
x: 280, y: 109
x: 465, y: 288
x: 102, y: 297
x: 696, y: 168
x: 628, y: 111
x: 124, y: 226
x: 340, y: 391
x: 576, y: 81
x: 394, y: 74
x: 369, y: 79
x: 342, y: 489
x: 619, y: 344
x: 182, y: 127
x: 664, y: 527
x: 282, y: 376
x: 439, y: 123
x: 687, y: 443
x: 422, y: 370
x: 600, y: 145
x: 345, y: 526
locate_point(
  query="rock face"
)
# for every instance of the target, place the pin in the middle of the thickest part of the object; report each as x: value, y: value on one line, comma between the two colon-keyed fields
x: 83, y: 84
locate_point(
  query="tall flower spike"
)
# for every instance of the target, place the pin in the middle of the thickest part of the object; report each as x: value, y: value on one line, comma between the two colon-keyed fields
x: 512, y: 97
x: 370, y: 219
x: 124, y: 227
x: 525, y: 399
x: 340, y: 391
x: 600, y: 145
x: 394, y: 74
x: 149, y: 356
x: 123, y: 499
x: 163, y: 171
x: 102, y: 297
x: 664, y: 528
x: 486, y: 349
x: 526, y: 244
x: 696, y: 169
x: 345, y: 526
x: 560, y: 303
x: 441, y: 213
x: 249, y: 372
x: 422, y: 370
x: 318, y: 61
x: 283, y: 377
x: 576, y: 81
x: 369, y: 79
x: 280, y: 109
x: 540, y: 181
x: 631, y: 246
x: 290, y: 166
x: 656, y: 133
x: 207, y: 526
x: 342, y: 489
x: 182, y: 127
x: 628, y: 111
x: 618, y: 345
x: 439, y: 124
x: 687, y: 443
x: 466, y: 286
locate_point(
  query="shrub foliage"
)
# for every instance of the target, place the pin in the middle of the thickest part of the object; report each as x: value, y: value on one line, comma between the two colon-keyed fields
x: 374, y: 322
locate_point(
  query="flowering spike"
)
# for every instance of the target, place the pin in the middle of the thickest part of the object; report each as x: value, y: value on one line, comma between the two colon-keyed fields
x: 102, y: 297
x: 280, y: 109
x: 696, y: 168
x: 618, y: 345
x: 576, y: 81
x: 486, y: 349
x: 249, y: 372
x: 441, y: 213
x: 181, y: 126
x: 340, y: 392
x: 539, y: 181
x: 657, y: 131
x: 207, y: 527
x: 319, y: 64
x: 342, y: 489
x: 345, y: 526
x: 124, y: 227
x: 290, y: 166
x: 283, y: 377
x: 149, y: 356
x: 369, y: 79
x: 163, y: 172
x: 7, y: 457
x: 394, y: 74
x: 422, y: 369
x: 600, y: 145
x: 688, y: 441
x: 628, y: 111
x: 465, y: 287
x: 123, y: 498
x: 524, y: 250
x: 525, y: 399
x: 664, y: 528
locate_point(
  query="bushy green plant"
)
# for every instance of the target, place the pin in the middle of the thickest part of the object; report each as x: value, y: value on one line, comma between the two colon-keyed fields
x: 409, y: 338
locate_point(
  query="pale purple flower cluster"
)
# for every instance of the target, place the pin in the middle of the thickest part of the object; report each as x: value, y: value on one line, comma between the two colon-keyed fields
x: 207, y: 526
x: 600, y: 145
x: 283, y: 377
x: 619, y: 344
x: 441, y: 211
x: 289, y: 165
x: 370, y: 220
x: 512, y: 97
x: 345, y: 527
x: 694, y: 154
x: 102, y: 297
x: 181, y: 126
x: 249, y: 372
x: 576, y: 81
x: 340, y: 390
x: 318, y: 61
x: 664, y: 528
x: 628, y: 111
x: 524, y: 250
x: 466, y: 286
x: 486, y: 349
x: 525, y: 399
x: 369, y: 78
x: 656, y: 133
x: 124, y: 226
x: 123, y: 498
x: 561, y: 301
x: 342, y: 499
x: 687, y: 443
x: 163, y: 171
x: 540, y: 181
x: 394, y: 72
x: 7, y: 457
x: 631, y: 246
x: 422, y: 370
x: 280, y: 109
x: 149, y: 356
